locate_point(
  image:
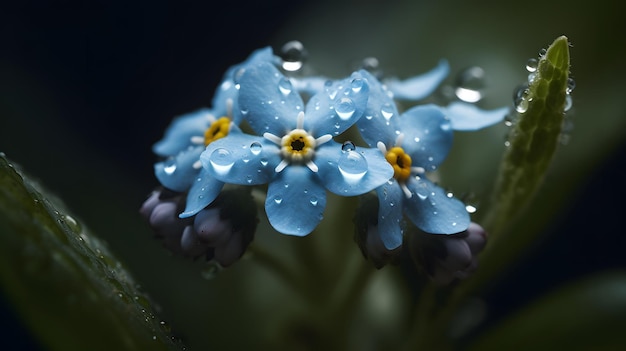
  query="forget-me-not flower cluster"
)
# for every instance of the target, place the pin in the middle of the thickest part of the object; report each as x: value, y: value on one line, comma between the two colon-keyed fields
x: 298, y: 138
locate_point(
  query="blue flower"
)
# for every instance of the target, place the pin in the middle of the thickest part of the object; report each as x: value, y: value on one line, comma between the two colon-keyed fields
x: 189, y: 134
x: 293, y: 150
x: 414, y: 143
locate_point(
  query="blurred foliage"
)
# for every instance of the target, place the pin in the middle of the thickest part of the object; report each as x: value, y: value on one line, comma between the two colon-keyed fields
x: 65, y: 283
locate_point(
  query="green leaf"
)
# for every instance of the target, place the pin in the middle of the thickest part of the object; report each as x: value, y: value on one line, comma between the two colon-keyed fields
x: 533, y: 139
x: 63, y: 281
x: 587, y: 315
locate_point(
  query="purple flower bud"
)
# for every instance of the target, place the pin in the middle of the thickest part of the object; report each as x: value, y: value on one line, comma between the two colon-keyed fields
x: 211, y: 228
x: 448, y: 257
x: 221, y: 232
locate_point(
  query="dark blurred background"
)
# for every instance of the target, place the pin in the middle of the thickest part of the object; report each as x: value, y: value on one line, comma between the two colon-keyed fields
x: 86, y: 88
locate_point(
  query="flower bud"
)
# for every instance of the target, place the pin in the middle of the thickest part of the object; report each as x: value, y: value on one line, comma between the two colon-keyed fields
x: 367, y: 236
x: 448, y: 257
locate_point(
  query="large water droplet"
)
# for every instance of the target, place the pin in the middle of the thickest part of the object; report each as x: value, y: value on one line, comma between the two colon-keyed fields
x: 313, y: 200
x: 469, y: 84
x: 285, y: 86
x: 170, y: 166
x: 256, y: 148
x: 345, y: 108
x: 293, y: 55
x: 222, y: 161
x: 352, y: 166
x: 278, y: 200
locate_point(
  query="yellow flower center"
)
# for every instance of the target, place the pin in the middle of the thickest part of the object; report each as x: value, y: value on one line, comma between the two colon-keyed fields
x: 298, y: 145
x: 217, y: 130
x: 401, y: 163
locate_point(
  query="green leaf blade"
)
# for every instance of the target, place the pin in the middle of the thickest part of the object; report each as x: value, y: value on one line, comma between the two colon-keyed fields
x: 63, y: 281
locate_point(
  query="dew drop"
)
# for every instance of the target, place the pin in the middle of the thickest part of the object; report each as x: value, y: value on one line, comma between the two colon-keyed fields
x: 72, y: 223
x: 278, y: 199
x: 520, y: 99
x: 571, y: 84
x: 222, y: 161
x: 357, y: 85
x: 293, y: 55
x: 170, y: 166
x: 313, y: 201
x: 531, y: 65
x: 352, y: 166
x: 387, y: 111
x: 470, y: 209
x: 256, y: 148
x: 421, y: 190
x: 345, y: 108
x: 568, y: 103
x: 332, y: 94
x: 469, y: 84
x: 285, y: 86
x: 348, y: 146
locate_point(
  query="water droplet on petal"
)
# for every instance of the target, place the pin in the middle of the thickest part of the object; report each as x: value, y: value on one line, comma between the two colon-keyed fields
x: 345, y: 108
x: 170, y: 166
x: 256, y: 148
x: 348, y: 146
x: 222, y: 161
x: 285, y: 86
x: 357, y: 85
x: 421, y: 190
x: 313, y: 200
x: 387, y: 111
x: 278, y: 199
x: 352, y: 166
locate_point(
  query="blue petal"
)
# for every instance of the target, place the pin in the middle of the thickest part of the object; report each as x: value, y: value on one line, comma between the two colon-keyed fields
x: 203, y: 191
x: 178, y: 135
x: 432, y: 211
x: 466, y: 116
x: 419, y: 87
x: 338, y: 107
x: 228, y: 89
x: 178, y: 173
x: 242, y: 159
x: 380, y: 117
x: 427, y: 136
x: 295, y: 201
x: 268, y: 100
x: 390, y: 197
x: 350, y: 173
